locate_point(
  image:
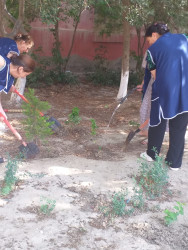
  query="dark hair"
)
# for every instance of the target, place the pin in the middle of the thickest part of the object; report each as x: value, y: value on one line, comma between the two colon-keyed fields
x: 24, y: 61
x: 160, y: 28
x: 24, y: 37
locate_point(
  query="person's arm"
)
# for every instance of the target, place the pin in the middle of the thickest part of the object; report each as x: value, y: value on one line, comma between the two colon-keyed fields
x: 2, y: 65
x: 140, y: 86
x: 153, y: 73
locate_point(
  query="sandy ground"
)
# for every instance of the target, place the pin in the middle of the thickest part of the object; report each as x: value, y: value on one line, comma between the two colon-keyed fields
x: 78, y: 185
x: 81, y: 182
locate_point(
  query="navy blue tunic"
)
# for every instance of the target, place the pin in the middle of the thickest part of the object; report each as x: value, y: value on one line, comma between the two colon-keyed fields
x: 8, y: 45
x: 169, y: 56
x: 6, y: 80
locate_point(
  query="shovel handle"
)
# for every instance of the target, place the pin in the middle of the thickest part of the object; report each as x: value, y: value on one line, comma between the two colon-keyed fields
x: 25, y: 99
x: 144, y: 124
x: 18, y: 136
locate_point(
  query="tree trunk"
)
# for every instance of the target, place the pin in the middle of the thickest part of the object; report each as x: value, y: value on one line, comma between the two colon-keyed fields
x: 73, y: 38
x: 2, y: 28
x: 125, y: 61
x: 18, y: 25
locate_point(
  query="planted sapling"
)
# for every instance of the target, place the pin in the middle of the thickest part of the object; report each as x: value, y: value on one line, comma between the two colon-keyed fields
x: 73, y: 117
x: 93, y: 126
x: 36, y: 127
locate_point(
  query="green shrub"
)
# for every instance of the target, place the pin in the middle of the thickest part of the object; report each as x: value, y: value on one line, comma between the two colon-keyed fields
x: 153, y: 177
x: 49, y: 72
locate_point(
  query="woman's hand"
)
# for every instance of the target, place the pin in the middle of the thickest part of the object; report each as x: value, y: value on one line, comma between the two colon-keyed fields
x: 139, y: 87
x: 13, y: 88
x: 3, y: 114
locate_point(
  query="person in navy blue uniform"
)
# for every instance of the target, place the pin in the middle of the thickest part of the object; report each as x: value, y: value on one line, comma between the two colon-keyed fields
x: 16, y: 66
x: 167, y: 60
x: 21, y: 43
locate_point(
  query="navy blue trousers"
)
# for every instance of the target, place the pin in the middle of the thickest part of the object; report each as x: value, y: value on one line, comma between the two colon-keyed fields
x: 177, y: 130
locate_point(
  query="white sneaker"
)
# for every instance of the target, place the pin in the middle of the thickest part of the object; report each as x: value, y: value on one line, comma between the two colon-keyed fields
x: 174, y: 169
x: 146, y: 157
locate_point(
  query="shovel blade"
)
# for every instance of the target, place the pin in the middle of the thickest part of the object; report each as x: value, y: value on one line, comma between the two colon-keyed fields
x: 56, y: 125
x: 131, y: 135
x: 29, y: 151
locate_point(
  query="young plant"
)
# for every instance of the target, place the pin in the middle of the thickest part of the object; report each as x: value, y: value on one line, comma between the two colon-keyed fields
x: 48, y: 205
x: 153, y: 177
x: 93, y: 126
x: 73, y: 117
x: 10, y: 178
x: 117, y: 206
x: 37, y: 127
x: 172, y: 216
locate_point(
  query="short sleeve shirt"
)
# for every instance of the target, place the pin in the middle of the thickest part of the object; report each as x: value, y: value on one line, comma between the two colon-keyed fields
x: 169, y: 56
x: 6, y: 79
x: 7, y: 46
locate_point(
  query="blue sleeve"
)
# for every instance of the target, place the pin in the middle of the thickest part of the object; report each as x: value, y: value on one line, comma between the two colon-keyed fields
x: 8, y: 45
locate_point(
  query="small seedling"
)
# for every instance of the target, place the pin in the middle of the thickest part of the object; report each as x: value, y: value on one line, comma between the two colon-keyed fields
x: 93, y: 126
x: 10, y: 178
x: 48, y: 205
x: 73, y: 117
x: 173, y: 216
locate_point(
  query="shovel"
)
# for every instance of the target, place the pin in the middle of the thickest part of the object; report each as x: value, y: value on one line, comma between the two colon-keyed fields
x: 121, y: 101
x: 55, y: 126
x: 30, y: 150
x: 133, y: 133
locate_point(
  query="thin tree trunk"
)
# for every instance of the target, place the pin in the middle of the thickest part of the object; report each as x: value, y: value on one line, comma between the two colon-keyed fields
x: 2, y: 28
x: 73, y: 38
x: 125, y: 61
x: 18, y: 26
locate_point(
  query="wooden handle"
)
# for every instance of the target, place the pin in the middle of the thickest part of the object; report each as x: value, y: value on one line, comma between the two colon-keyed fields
x: 144, y: 124
x: 11, y: 127
x: 23, y: 98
